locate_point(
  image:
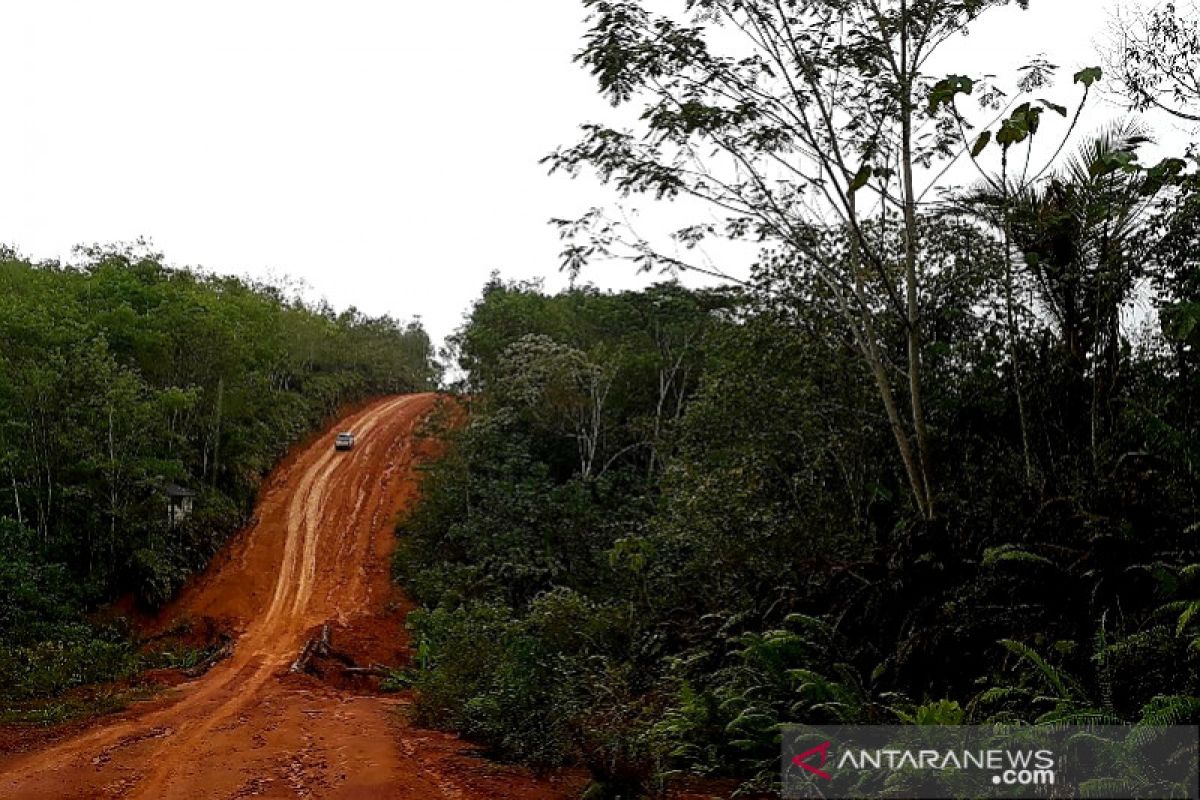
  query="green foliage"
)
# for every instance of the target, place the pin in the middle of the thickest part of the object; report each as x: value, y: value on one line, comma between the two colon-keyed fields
x: 668, y: 528
x: 945, y: 90
x: 120, y: 376
x: 71, y: 706
x: 1181, y: 322
x: 1008, y: 552
x: 74, y: 657
x: 921, y: 468
x: 941, y: 712
x: 1187, y: 607
x: 1089, y: 75
x: 1059, y: 688
x: 981, y: 143
x: 1020, y: 125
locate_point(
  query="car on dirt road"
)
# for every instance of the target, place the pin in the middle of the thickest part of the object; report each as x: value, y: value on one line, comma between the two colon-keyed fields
x: 344, y: 441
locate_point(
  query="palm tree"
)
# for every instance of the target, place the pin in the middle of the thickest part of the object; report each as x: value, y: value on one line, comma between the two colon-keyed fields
x: 1077, y: 238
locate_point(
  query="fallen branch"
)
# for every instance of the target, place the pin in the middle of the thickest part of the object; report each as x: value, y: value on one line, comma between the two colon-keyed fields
x: 316, y: 645
x: 223, y: 652
x: 374, y: 670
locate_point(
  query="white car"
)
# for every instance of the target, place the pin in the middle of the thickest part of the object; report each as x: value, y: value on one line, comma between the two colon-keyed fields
x: 344, y: 441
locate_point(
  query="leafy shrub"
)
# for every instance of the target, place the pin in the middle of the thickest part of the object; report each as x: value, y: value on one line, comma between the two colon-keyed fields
x: 480, y: 671
x: 673, y: 524
x: 78, y: 656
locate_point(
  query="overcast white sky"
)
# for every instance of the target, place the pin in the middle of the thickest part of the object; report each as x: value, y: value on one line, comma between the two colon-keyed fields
x: 384, y: 153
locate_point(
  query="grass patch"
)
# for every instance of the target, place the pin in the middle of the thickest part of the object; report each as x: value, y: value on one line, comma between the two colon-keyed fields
x: 177, y: 656
x: 48, y: 712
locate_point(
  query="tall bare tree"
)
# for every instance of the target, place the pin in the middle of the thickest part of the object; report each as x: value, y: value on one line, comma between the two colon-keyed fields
x: 791, y: 118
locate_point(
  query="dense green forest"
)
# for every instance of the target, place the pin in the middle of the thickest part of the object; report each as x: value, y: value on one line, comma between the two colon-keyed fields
x: 933, y: 461
x: 671, y: 524
x: 120, y: 377
x: 933, y: 457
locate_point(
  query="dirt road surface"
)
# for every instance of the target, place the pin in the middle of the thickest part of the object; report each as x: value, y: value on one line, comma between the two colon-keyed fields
x: 316, y: 552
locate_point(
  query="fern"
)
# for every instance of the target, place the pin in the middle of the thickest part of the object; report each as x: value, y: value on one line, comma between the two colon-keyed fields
x: 810, y: 623
x: 942, y: 712
x: 1105, y: 787
x: 1170, y: 710
x: 999, y: 694
x: 1187, y: 609
x: 1079, y: 716
x: 1067, y: 688
x: 1012, y: 553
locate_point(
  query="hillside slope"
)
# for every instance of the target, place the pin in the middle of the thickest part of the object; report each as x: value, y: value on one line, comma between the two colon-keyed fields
x: 316, y: 552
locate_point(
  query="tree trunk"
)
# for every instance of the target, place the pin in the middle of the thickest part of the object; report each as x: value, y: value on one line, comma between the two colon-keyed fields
x: 1010, y: 323
x: 217, y: 434
x: 868, y: 345
x: 1013, y: 355
x: 112, y: 483
x: 912, y: 293
x: 911, y: 467
x: 17, y: 499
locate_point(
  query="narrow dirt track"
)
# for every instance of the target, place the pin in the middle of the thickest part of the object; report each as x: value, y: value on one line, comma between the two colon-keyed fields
x: 316, y: 552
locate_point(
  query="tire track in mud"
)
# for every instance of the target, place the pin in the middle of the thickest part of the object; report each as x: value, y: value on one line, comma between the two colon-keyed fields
x: 316, y: 551
x: 274, y: 631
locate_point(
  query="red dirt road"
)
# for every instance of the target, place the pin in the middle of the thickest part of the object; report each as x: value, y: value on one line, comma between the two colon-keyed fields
x: 316, y: 552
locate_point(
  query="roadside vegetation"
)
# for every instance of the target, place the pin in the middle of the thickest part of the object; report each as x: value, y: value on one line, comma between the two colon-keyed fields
x: 120, y: 377
x: 933, y: 461
x: 935, y: 458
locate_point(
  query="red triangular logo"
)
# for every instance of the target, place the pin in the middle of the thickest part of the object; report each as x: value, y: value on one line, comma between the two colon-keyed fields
x: 823, y: 751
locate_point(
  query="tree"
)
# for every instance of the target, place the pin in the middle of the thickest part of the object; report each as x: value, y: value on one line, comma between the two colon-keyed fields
x: 768, y: 569
x: 1074, y: 240
x: 1081, y: 239
x: 1155, y: 55
x: 120, y: 374
x: 563, y: 390
x: 791, y: 118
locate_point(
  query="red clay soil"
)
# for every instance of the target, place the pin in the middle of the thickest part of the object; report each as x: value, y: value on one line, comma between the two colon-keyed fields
x: 316, y: 553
